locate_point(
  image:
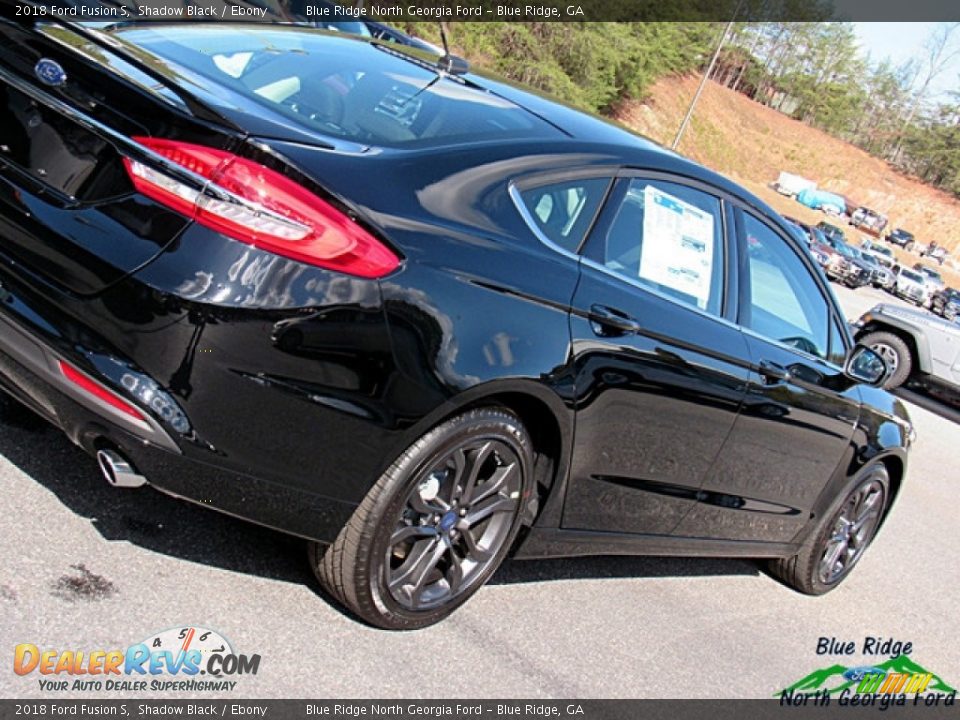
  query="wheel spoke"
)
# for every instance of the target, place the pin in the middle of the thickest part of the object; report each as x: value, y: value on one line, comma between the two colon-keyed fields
x: 496, y: 504
x: 832, y: 557
x: 496, y: 483
x: 454, y: 572
x: 460, y: 465
x: 412, y: 531
x: 422, y: 559
x: 423, y: 507
x: 867, y: 510
x: 475, y: 462
x: 474, y: 551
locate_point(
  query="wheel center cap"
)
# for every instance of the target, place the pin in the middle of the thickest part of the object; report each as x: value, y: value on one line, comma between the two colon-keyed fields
x: 448, y: 521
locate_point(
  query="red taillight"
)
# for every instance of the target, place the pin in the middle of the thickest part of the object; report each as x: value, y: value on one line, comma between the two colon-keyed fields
x: 254, y: 204
x: 92, y: 387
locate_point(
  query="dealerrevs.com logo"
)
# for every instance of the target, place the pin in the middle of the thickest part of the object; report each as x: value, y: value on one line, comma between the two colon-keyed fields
x: 188, y: 659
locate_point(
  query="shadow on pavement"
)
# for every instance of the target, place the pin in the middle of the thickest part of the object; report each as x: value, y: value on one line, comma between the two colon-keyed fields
x: 147, y: 518
x: 161, y: 524
x: 939, y: 405
x: 616, y: 567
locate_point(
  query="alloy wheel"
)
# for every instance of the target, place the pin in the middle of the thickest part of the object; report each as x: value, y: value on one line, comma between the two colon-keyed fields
x: 889, y: 355
x: 853, y: 528
x: 456, y: 519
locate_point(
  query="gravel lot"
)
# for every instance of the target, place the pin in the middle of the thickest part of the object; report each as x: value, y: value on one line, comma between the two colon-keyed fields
x: 89, y: 567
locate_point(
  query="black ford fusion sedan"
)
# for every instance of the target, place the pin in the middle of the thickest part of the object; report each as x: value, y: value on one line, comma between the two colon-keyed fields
x: 421, y: 319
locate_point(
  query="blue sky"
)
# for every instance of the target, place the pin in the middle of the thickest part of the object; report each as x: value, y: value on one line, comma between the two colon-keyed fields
x: 901, y: 41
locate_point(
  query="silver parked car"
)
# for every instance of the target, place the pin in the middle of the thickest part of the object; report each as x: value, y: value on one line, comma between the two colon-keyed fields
x: 917, y: 346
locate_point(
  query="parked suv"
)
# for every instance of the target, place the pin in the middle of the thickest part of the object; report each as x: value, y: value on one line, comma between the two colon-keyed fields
x: 918, y: 347
x: 909, y: 284
x: 869, y: 221
x: 932, y: 278
x: 831, y: 231
x: 883, y: 260
x: 935, y: 252
x: 946, y: 303
x: 902, y: 238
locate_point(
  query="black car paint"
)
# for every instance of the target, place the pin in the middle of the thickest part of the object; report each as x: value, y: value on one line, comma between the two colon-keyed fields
x: 301, y: 385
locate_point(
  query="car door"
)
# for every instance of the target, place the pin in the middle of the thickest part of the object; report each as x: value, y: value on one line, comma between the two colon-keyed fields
x: 799, y: 412
x: 659, y: 372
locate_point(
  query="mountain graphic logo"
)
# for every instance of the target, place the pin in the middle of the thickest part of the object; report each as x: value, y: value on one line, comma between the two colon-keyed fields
x: 837, y: 678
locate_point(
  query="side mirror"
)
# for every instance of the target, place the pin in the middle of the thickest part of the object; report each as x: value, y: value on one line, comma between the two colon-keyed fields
x: 865, y: 366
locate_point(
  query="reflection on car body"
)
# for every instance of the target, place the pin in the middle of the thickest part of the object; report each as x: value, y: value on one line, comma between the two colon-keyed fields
x: 393, y: 310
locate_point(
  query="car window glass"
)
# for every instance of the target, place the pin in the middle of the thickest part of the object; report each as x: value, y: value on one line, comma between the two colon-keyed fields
x: 342, y: 88
x: 667, y: 237
x: 563, y: 211
x: 838, y: 351
x: 785, y: 302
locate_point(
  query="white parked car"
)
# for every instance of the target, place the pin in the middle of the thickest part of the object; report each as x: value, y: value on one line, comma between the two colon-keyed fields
x: 909, y: 284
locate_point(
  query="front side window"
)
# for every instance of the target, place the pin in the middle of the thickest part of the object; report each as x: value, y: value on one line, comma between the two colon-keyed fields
x: 838, y: 349
x: 667, y: 237
x: 784, y: 302
x: 563, y: 211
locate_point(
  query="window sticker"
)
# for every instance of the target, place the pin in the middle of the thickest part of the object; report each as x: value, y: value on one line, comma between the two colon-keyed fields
x: 677, y: 249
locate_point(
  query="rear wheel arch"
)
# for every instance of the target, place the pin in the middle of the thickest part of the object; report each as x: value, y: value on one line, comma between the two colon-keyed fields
x: 547, y: 419
x: 550, y: 451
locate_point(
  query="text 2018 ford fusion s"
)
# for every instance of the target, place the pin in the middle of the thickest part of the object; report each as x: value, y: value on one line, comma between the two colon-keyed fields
x: 421, y: 319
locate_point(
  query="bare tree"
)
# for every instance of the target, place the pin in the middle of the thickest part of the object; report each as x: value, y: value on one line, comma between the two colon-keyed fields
x: 941, y: 50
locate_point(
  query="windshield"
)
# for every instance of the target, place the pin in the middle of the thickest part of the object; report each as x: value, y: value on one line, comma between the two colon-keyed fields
x: 932, y: 274
x: 348, y: 89
x: 911, y: 275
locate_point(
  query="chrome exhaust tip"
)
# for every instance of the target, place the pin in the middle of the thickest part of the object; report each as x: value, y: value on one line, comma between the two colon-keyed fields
x: 117, y: 471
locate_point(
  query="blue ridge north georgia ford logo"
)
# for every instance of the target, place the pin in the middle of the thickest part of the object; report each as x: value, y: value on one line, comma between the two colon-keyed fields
x: 50, y: 72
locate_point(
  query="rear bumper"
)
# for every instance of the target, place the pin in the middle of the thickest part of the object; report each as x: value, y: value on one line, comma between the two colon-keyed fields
x: 274, y: 505
x: 279, y: 415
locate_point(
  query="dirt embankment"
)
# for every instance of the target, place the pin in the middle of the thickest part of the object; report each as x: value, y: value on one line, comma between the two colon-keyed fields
x: 751, y: 144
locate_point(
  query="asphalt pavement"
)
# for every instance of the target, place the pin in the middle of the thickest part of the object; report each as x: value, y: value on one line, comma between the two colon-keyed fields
x: 88, y: 567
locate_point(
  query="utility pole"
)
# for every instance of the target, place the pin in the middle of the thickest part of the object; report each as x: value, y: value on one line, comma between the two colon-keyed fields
x: 703, y: 82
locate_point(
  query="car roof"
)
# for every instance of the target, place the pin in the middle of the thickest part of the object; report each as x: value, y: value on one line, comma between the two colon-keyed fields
x: 579, y: 133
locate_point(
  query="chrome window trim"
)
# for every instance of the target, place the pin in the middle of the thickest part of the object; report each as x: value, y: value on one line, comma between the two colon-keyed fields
x: 531, y: 222
x: 656, y: 293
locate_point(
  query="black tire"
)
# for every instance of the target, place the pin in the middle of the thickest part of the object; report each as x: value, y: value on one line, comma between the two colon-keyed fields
x: 894, y: 351
x: 811, y: 571
x: 366, y: 567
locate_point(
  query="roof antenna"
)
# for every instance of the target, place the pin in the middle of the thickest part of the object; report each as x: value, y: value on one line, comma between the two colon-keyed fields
x: 443, y: 38
x: 450, y: 64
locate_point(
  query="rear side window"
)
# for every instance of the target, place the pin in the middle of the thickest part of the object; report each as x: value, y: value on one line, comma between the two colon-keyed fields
x: 562, y: 212
x: 667, y: 237
x: 357, y: 91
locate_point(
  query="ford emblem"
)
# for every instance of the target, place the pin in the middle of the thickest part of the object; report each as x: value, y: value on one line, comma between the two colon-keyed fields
x: 50, y: 72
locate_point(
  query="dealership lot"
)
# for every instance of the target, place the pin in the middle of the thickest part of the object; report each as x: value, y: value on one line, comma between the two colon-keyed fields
x: 87, y: 567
